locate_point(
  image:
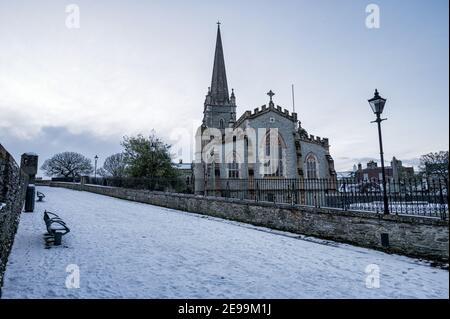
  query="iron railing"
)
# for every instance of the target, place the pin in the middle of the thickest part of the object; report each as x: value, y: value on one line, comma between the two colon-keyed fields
x: 424, y: 197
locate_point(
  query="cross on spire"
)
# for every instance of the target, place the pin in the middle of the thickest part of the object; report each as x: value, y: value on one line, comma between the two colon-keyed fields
x: 271, y: 94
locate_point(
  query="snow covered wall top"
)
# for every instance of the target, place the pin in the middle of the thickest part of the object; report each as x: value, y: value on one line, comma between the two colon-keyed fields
x: 12, y: 191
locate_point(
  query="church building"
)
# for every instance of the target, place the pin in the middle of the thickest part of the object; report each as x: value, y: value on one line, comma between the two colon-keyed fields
x: 299, y: 155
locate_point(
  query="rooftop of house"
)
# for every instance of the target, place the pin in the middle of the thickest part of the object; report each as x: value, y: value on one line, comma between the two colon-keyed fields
x: 182, y: 166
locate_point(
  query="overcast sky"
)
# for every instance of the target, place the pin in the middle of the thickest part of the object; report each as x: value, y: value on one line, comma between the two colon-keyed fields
x: 133, y: 66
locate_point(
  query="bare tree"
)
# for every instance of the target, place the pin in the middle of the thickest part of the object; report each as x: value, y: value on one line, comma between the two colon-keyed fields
x: 435, y: 165
x: 114, y: 166
x: 67, y: 164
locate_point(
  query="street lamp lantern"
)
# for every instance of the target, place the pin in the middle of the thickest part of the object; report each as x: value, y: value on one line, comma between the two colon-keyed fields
x: 377, y: 104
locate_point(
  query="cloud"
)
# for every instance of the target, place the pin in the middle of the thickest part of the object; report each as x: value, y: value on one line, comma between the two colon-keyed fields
x: 129, y: 69
x: 53, y: 139
x: 50, y: 140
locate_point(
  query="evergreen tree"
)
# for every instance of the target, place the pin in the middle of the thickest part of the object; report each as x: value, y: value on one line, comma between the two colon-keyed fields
x: 147, y: 157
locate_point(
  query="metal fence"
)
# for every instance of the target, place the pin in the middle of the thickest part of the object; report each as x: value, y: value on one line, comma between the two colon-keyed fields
x: 407, y: 197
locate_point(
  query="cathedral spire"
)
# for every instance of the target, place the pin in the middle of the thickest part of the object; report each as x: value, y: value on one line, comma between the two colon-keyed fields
x: 219, y: 85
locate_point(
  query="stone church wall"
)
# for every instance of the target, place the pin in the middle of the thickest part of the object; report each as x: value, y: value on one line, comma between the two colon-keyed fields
x: 320, y: 152
x: 286, y: 129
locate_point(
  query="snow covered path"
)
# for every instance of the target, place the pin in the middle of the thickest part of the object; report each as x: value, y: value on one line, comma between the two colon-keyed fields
x: 132, y: 250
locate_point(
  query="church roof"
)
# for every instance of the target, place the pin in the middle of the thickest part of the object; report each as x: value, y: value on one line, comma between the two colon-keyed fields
x: 219, y: 85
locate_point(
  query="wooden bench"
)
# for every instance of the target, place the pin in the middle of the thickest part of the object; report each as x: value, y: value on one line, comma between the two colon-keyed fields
x: 56, y: 228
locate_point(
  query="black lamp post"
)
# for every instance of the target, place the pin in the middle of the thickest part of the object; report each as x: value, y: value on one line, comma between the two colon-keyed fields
x: 95, y: 168
x: 377, y: 104
x: 152, y: 153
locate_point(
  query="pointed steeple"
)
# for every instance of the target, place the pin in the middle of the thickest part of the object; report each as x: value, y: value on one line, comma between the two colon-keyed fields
x: 219, y: 85
x: 232, y: 98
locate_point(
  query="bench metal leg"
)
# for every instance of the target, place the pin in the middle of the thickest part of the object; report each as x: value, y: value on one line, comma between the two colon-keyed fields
x: 58, y: 237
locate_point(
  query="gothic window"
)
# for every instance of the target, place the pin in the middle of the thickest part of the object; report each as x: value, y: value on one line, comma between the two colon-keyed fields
x: 233, y: 167
x: 208, y: 171
x: 233, y: 170
x: 221, y: 124
x: 280, y: 171
x: 268, y: 142
x: 281, y: 157
x: 311, y: 166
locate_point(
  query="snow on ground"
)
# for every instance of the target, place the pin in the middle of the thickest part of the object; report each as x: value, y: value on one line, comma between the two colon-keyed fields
x: 131, y: 250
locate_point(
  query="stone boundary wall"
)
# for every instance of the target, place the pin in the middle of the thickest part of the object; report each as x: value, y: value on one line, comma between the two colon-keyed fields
x: 12, y: 195
x: 413, y: 236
